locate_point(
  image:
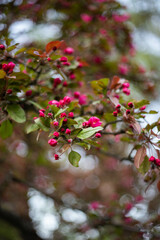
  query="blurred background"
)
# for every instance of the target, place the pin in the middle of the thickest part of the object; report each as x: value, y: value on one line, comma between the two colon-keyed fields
x: 102, y: 183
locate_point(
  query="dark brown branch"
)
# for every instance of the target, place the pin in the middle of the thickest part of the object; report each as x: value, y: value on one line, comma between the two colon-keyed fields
x: 114, y: 133
x: 23, y: 225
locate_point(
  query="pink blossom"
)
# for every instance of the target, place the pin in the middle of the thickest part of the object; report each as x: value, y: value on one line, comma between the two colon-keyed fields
x: 98, y: 135
x: 152, y: 159
x: 76, y: 94
x: 54, y: 102
x: 69, y: 50
x: 94, y: 122
x: 83, y: 99
x: 2, y: 47
x: 72, y: 76
x: 28, y: 93
x: 71, y: 115
x: 41, y: 114
x: 68, y: 131
x: 61, y: 103
x: 120, y: 18
x: 125, y: 85
x: 86, y: 18
x: 123, y: 69
x: 67, y: 100
x: 52, y: 142
x: 63, y: 115
x: 55, y: 123
x: 63, y: 59
x: 143, y: 108
x: 126, y: 91
x: 56, y: 156
x: 57, y: 81
x: 94, y: 205
x: 85, y: 124
x: 56, y: 134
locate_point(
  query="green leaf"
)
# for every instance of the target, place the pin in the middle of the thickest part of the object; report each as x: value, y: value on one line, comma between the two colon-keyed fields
x: 41, y: 125
x: 100, y: 86
x: 88, y: 132
x: 145, y: 165
x: 6, y: 129
x: 20, y: 51
x: 86, y: 146
x: 31, y: 128
x: 60, y: 111
x: 153, y: 112
x: 74, y: 158
x: 16, y: 113
x: 141, y: 103
x: 12, y: 47
x: 71, y: 122
x: 109, y: 117
x: 2, y: 74
x: 37, y: 105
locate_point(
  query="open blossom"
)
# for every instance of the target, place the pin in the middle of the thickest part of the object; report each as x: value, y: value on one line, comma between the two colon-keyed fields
x: 52, y: 142
x: 94, y: 122
x: 54, y: 102
x: 86, y: 18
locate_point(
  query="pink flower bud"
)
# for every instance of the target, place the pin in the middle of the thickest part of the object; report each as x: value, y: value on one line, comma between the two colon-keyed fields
x: 68, y: 131
x: 28, y: 93
x: 65, y: 120
x: 55, y: 123
x: 62, y: 130
x: 118, y: 106
x: 152, y: 159
x: 48, y: 59
x: 128, y: 111
x: 11, y: 65
x: 35, y: 118
x: 63, y: 59
x: 126, y: 91
x: 61, y: 103
x: 50, y: 115
x: 67, y: 100
x: 130, y: 104
x: 69, y: 50
x: 72, y: 76
x: 41, y: 114
x: 65, y: 84
x: 115, y: 113
x: 56, y: 156
x: 66, y: 63
x: 98, y: 135
x: 69, y: 140
x: 71, y: 115
x: 143, y: 108
x: 125, y: 85
x: 2, y: 47
x: 86, y: 18
x: 63, y: 115
x: 9, y: 91
x: 52, y: 142
x: 157, y: 162
x: 56, y: 134
x: 76, y: 94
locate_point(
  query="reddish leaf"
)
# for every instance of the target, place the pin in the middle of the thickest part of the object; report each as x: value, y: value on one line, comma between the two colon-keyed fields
x: 132, y: 121
x: 116, y: 82
x: 51, y: 45
x: 158, y: 185
x: 139, y: 157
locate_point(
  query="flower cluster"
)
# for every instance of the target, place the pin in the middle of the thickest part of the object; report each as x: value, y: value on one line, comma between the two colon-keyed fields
x: 8, y: 68
x: 92, y: 122
x: 154, y: 160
